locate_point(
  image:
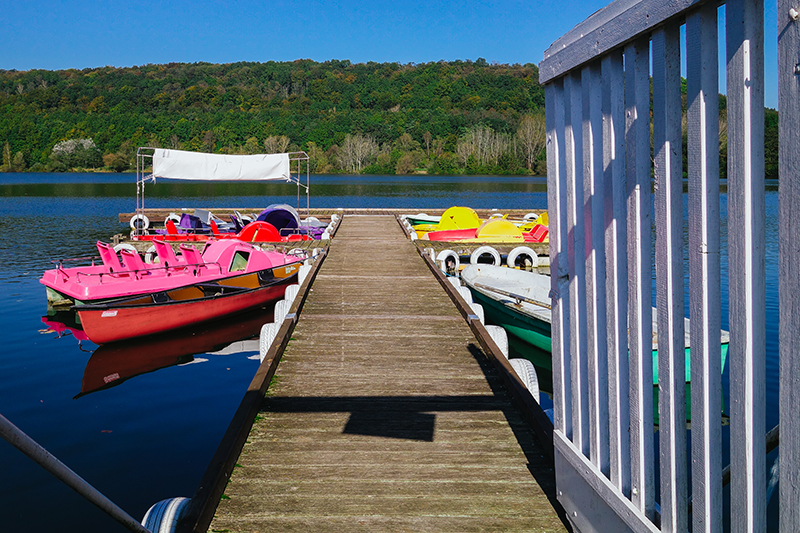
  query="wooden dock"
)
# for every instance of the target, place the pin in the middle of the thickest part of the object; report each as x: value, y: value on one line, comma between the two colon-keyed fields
x: 385, y: 414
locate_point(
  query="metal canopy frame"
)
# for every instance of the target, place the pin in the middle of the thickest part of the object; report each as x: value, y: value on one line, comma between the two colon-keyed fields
x: 144, y: 156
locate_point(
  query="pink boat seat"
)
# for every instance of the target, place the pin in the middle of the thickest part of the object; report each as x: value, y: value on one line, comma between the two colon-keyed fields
x: 131, y: 260
x: 191, y: 255
x: 109, y: 256
x: 166, y: 255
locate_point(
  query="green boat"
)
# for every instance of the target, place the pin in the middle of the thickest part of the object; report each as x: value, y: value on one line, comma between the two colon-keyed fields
x: 519, y: 301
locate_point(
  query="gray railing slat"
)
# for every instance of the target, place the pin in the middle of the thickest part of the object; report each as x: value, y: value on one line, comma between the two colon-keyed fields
x: 555, y: 109
x: 789, y: 215
x: 616, y: 269
x: 637, y: 144
x: 669, y: 276
x: 744, y: 25
x: 704, y: 266
x: 593, y: 192
x: 613, y: 26
x: 576, y: 246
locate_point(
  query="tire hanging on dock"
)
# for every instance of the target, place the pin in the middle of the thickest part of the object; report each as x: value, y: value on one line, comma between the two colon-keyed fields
x: 139, y: 221
x: 525, y: 256
x: 449, y: 262
x: 163, y: 516
x: 475, y: 257
x: 150, y: 256
x: 174, y: 217
x: 125, y: 246
x: 527, y: 373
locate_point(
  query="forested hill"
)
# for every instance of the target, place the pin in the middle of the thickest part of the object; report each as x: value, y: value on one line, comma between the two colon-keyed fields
x: 381, y: 118
x: 443, y: 117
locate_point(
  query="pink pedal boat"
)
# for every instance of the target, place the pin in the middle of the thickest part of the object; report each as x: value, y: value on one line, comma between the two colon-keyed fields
x: 125, y: 274
x: 127, y: 299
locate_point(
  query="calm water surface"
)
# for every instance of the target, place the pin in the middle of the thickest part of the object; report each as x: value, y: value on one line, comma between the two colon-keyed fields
x: 149, y: 433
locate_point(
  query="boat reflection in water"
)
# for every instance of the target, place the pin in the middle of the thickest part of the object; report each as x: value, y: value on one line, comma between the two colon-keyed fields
x: 113, y: 364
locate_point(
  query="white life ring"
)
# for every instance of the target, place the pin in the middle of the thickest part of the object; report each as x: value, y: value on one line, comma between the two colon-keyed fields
x: 483, y: 250
x: 449, y: 262
x: 531, y: 216
x: 139, y: 221
x: 174, y: 217
x: 521, y: 253
x: 496, y: 215
x: 150, y: 256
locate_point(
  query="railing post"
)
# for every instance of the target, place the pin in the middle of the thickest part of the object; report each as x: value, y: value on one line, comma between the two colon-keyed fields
x: 595, y: 266
x: 669, y: 276
x: 789, y: 217
x: 615, y: 224
x: 640, y: 324
x: 744, y: 22
x: 575, y: 247
x: 555, y: 109
x: 704, y: 266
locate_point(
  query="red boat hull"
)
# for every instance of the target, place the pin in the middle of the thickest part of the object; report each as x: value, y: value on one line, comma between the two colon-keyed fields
x: 110, y: 323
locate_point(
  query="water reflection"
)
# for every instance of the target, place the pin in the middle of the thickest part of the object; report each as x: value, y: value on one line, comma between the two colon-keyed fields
x: 113, y: 364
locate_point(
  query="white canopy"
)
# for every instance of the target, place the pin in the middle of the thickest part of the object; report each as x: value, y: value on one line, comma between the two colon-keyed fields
x: 178, y: 164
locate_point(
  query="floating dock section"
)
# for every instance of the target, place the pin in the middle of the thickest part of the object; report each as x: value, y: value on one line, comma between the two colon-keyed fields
x: 385, y: 414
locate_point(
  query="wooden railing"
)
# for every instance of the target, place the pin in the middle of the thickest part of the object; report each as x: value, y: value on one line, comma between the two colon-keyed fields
x: 603, y: 180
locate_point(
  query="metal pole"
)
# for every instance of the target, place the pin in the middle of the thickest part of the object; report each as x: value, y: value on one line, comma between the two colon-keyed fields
x: 32, y: 449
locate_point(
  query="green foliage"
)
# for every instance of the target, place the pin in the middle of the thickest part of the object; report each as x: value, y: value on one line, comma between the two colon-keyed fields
x: 252, y: 107
x: 412, y: 118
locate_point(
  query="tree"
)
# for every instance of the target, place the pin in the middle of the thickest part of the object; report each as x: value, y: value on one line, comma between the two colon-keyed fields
x: 18, y: 165
x: 75, y: 153
x: 427, y: 137
x: 251, y: 146
x: 483, y: 146
x: 116, y: 162
x: 531, y: 136
x: 276, y: 144
x: 6, y: 158
x: 356, y: 151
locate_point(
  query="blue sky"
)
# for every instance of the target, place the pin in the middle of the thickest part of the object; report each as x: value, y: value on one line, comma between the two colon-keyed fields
x: 56, y: 34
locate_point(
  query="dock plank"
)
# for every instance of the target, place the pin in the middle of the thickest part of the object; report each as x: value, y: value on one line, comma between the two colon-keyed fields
x: 384, y: 414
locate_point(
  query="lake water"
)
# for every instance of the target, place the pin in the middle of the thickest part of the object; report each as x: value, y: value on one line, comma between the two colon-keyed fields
x: 142, y: 438
x: 141, y: 422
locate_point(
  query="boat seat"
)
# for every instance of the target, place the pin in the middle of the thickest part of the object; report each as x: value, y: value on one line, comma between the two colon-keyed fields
x: 237, y: 225
x: 166, y: 255
x: 109, y: 256
x: 171, y: 228
x: 191, y: 255
x: 131, y: 260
